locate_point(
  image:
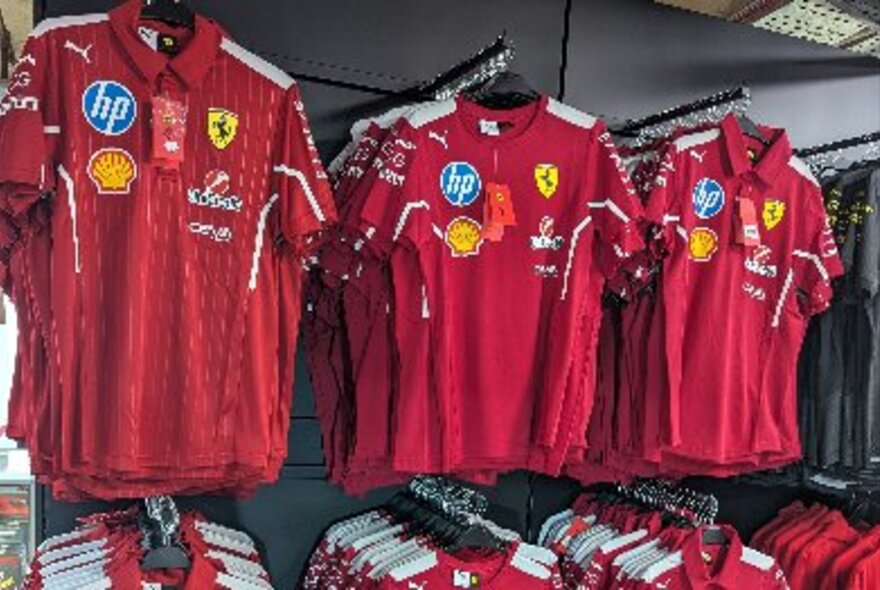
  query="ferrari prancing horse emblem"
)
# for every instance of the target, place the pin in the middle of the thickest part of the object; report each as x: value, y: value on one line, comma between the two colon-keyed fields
x: 547, y: 179
x: 222, y: 127
x: 774, y: 211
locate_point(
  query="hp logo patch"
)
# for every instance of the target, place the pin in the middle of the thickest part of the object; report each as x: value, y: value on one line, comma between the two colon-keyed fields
x: 460, y: 183
x: 109, y: 107
x: 708, y: 198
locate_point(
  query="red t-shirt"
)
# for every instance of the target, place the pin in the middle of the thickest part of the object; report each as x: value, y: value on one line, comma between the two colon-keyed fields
x: 572, y: 220
x: 509, y: 569
x: 735, y: 315
x: 839, y: 573
x: 814, y: 561
x: 729, y: 566
x: 787, y: 515
x: 165, y: 279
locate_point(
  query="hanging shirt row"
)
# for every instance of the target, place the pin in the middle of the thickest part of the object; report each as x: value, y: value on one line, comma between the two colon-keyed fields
x: 651, y: 535
x: 840, y: 365
x: 459, y: 301
x: 155, y: 217
x: 609, y: 541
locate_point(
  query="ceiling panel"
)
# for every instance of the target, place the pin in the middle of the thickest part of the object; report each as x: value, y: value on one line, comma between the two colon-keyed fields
x: 850, y: 24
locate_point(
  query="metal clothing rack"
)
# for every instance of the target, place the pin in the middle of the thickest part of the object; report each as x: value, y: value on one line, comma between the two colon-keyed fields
x: 473, y: 70
x: 478, y: 68
x: 707, y: 110
x: 839, y: 146
x: 741, y: 93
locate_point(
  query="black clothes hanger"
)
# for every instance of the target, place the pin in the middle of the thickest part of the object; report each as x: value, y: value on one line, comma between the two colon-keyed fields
x: 714, y: 536
x: 159, y: 525
x: 506, y: 90
x: 433, y: 507
x: 750, y: 128
x: 172, y: 12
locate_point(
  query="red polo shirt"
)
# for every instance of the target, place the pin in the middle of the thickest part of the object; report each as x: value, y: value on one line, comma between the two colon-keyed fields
x: 735, y: 314
x: 572, y: 220
x: 727, y: 566
x: 167, y: 296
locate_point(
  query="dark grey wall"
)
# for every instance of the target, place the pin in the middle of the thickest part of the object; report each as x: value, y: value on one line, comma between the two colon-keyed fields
x: 633, y: 57
x: 625, y: 58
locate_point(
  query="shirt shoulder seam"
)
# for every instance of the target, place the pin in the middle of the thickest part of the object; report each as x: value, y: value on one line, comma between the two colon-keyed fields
x: 64, y: 22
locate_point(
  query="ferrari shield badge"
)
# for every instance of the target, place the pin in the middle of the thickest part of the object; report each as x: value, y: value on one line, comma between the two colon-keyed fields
x: 774, y: 211
x: 547, y: 179
x: 222, y: 127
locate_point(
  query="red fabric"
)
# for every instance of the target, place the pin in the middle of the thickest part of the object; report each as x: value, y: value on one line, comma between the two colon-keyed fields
x: 800, y: 525
x: 164, y: 305
x: 814, y: 561
x: 499, y: 571
x: 486, y: 347
x: 790, y: 513
x: 716, y: 297
x: 844, y: 564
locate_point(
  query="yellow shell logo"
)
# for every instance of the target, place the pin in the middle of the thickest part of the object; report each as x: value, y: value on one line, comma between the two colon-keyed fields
x: 703, y: 244
x: 464, y: 236
x: 112, y: 170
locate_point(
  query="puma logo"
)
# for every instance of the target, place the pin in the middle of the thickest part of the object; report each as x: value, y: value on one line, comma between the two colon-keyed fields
x: 82, y: 52
x: 698, y: 155
x: 414, y: 586
x: 441, y: 139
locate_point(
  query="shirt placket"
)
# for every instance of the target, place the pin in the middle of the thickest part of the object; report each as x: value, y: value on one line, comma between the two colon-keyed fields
x: 169, y: 86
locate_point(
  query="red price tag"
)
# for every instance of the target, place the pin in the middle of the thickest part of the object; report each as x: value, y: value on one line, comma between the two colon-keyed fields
x: 169, y: 131
x: 498, y: 211
x: 500, y: 203
x: 493, y: 232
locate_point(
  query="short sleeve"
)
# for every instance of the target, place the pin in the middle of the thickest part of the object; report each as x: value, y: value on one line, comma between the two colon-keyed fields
x: 305, y: 198
x: 612, y: 199
x: 815, y: 259
x: 23, y: 128
x: 392, y: 210
x: 662, y: 208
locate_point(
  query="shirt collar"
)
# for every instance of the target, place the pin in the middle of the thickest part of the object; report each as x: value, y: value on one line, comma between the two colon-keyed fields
x: 191, y: 64
x: 775, y: 156
x: 729, y: 569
